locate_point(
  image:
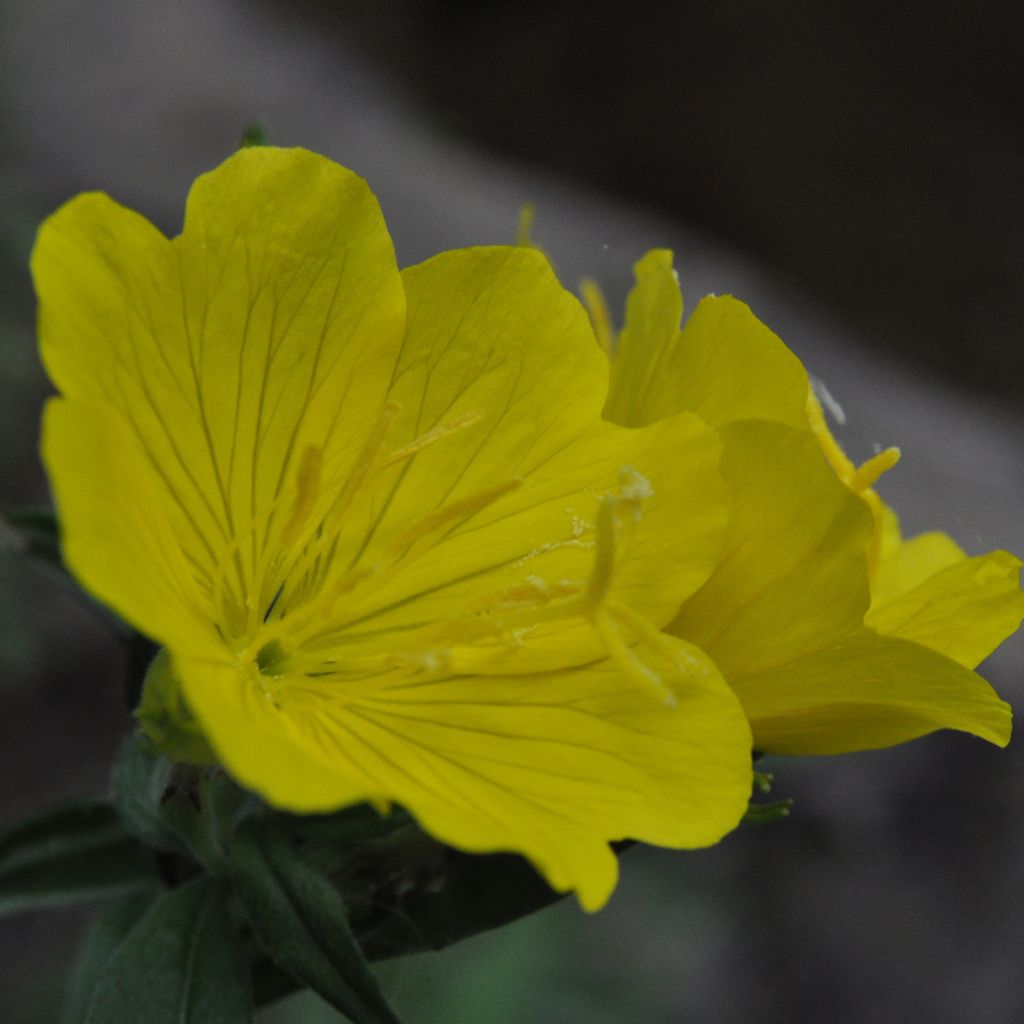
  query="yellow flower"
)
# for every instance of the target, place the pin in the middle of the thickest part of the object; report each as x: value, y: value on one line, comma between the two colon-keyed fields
x: 376, y: 519
x: 835, y: 634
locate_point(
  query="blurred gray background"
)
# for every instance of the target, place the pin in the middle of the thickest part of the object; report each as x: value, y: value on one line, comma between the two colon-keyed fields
x: 853, y: 172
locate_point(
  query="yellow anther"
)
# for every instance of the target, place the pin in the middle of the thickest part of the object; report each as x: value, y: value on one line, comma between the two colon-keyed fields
x: 603, y: 569
x: 652, y: 637
x: 432, y: 436
x: 860, y: 480
x: 531, y: 593
x: 868, y: 473
x: 614, y: 510
x: 524, y: 232
x: 634, y: 488
x: 600, y: 318
x: 628, y: 660
x: 307, y: 487
x: 453, y: 511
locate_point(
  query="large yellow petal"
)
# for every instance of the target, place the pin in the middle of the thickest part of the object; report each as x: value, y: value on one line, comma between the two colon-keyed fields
x: 863, y: 692
x: 267, y: 328
x: 793, y: 573
x: 724, y: 365
x: 553, y: 766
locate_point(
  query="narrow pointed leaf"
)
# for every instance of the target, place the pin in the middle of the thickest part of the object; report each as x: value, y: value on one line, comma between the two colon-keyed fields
x: 101, y: 941
x: 77, y: 851
x: 301, y: 922
x: 181, y: 964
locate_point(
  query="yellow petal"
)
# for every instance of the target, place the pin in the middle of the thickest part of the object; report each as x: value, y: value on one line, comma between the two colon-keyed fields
x: 133, y: 547
x: 725, y: 365
x: 497, y: 518
x: 793, y: 572
x: 909, y: 563
x: 229, y: 350
x: 864, y: 692
x: 963, y: 610
x: 553, y: 766
x: 647, y: 344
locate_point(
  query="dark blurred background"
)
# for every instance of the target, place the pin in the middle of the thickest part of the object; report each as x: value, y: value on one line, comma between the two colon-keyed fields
x: 852, y: 171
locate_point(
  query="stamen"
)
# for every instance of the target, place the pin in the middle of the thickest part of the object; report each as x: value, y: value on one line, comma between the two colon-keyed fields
x: 275, y: 628
x: 305, y: 547
x: 868, y: 473
x: 626, y: 658
x: 367, y: 464
x: 651, y: 636
x: 603, y: 569
x: 537, y: 601
x: 525, y: 226
x: 455, y: 510
x: 307, y: 486
x: 857, y: 479
x: 860, y: 480
x: 837, y: 458
x: 442, y: 430
x: 600, y: 318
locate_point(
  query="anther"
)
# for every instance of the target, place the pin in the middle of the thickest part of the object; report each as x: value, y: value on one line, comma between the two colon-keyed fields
x: 868, y: 473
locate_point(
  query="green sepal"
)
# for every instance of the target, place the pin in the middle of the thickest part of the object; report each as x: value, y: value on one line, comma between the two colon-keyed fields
x: 105, y: 934
x: 76, y: 851
x: 202, y: 806
x: 168, y: 725
x: 301, y: 921
x: 141, y: 781
x: 180, y: 964
x: 179, y: 809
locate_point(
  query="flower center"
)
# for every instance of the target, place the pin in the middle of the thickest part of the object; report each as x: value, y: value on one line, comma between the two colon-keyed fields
x: 323, y: 624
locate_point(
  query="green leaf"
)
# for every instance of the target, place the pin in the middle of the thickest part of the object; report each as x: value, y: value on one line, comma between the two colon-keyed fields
x: 181, y: 964
x: 76, y: 851
x: 404, y: 891
x: 102, y: 939
x: 301, y: 922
